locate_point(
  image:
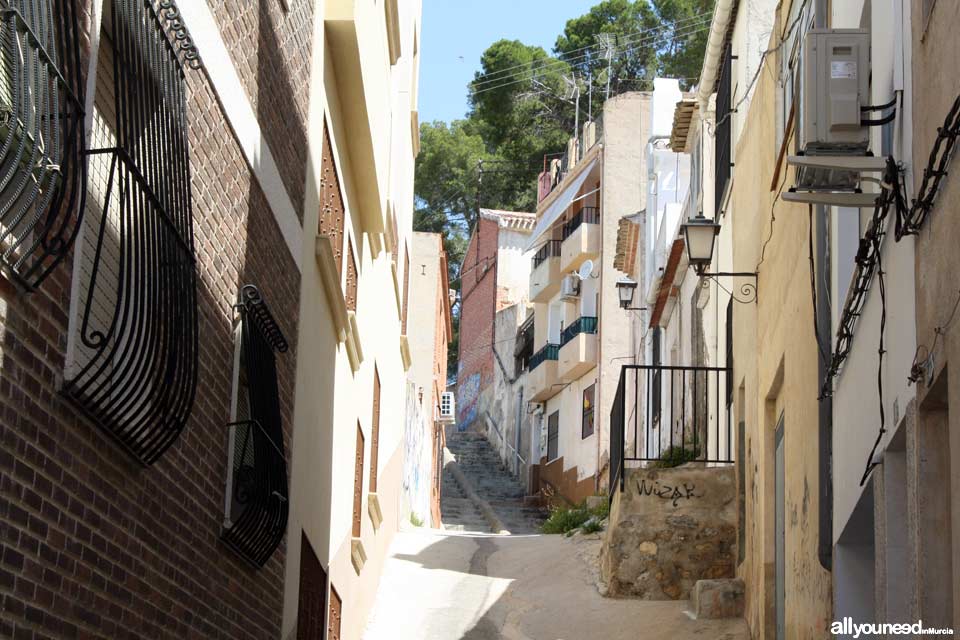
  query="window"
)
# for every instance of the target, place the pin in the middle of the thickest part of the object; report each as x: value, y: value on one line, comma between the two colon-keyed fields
x: 588, y: 400
x: 553, y: 436
x: 332, y: 216
x: 406, y: 288
x: 132, y: 346
x: 351, y: 296
x: 789, y: 63
x: 724, y: 127
x: 312, y: 601
x: 358, y: 482
x: 257, y: 493
x: 375, y: 431
x: 41, y: 199
x: 336, y: 610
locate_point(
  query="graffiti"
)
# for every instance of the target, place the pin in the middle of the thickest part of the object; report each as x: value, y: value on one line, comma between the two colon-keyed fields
x: 417, y: 458
x: 667, y: 492
x: 468, y: 394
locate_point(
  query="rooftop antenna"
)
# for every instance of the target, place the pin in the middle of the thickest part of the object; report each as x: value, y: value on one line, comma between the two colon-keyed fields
x: 573, y: 93
x: 608, y: 43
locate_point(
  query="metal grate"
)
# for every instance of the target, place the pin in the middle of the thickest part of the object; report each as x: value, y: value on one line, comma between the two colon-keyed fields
x: 550, y: 249
x: 586, y: 215
x: 258, y: 502
x: 548, y: 352
x: 42, y: 163
x: 132, y: 363
x: 583, y: 324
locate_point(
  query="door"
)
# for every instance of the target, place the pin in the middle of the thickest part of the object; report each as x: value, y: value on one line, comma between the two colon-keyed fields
x: 779, y: 529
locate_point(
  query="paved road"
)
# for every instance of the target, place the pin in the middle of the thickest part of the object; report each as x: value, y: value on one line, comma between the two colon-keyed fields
x: 468, y: 586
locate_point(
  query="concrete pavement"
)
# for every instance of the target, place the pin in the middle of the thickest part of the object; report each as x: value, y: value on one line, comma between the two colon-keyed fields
x: 467, y: 586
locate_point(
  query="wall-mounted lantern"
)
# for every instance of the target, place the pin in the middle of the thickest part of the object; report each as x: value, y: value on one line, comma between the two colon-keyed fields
x: 700, y: 234
x: 626, y: 288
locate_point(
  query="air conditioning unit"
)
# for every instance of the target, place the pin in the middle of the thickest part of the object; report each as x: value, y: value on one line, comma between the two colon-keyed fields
x: 836, y: 83
x: 569, y: 287
x: 448, y: 408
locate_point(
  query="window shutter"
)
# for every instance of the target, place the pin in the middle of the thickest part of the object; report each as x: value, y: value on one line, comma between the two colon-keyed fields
x: 358, y: 483
x: 42, y: 155
x: 406, y: 288
x: 351, y: 297
x: 336, y: 608
x: 257, y: 473
x: 132, y: 363
x: 375, y: 431
x: 312, y: 602
x: 332, y: 214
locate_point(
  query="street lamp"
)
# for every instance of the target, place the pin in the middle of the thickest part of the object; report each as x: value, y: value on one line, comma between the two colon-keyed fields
x: 626, y: 287
x: 700, y: 234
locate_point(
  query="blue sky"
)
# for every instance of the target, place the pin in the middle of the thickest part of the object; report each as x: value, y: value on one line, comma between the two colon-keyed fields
x: 456, y: 32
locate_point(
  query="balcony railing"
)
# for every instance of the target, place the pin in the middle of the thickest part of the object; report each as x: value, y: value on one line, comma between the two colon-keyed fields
x: 669, y: 415
x: 549, y: 250
x: 586, y: 215
x: 549, y: 352
x: 583, y: 324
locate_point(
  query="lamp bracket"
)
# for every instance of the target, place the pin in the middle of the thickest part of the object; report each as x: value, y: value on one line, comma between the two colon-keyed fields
x: 747, y: 289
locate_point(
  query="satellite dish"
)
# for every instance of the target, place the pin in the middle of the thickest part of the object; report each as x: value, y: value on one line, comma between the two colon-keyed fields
x: 586, y: 269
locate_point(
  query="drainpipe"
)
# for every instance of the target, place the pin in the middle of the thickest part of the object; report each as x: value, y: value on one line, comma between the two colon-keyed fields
x: 825, y: 321
x: 715, y: 42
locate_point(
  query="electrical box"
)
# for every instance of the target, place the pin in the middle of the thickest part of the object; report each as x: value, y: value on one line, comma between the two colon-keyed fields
x: 836, y: 84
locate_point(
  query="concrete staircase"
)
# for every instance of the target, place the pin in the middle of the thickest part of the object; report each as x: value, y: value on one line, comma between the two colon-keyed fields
x: 481, y: 467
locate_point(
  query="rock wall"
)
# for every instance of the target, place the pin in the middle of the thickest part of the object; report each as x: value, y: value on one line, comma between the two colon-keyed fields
x: 669, y: 528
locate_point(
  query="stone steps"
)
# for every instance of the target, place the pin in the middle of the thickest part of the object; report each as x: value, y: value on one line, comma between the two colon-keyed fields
x: 483, y: 469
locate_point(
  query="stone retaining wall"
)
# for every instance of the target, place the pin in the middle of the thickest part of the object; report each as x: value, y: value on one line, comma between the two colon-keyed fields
x: 668, y: 529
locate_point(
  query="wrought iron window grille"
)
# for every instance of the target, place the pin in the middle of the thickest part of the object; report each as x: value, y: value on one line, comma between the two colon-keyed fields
x: 42, y: 163
x: 133, y: 358
x: 257, y: 494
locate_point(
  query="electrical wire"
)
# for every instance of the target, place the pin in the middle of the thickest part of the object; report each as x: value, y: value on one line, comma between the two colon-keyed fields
x: 566, y: 58
x: 919, y: 365
x: 813, y: 286
x: 651, y: 41
x: 870, y: 465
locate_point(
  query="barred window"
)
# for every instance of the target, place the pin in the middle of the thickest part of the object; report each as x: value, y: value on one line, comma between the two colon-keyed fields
x: 132, y: 352
x: 256, y: 494
x: 41, y: 136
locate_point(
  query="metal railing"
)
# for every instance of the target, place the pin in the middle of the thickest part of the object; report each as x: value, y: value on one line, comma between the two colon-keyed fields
x: 669, y: 415
x: 550, y: 249
x: 548, y: 352
x: 586, y: 215
x: 583, y: 324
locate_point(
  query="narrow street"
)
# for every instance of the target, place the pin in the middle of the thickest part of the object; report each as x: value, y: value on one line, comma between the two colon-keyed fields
x: 474, y: 586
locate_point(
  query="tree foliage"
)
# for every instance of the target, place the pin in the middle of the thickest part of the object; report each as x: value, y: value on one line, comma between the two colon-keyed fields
x: 522, y: 108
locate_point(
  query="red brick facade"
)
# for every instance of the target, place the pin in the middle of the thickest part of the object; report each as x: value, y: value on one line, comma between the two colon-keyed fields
x: 93, y: 544
x: 478, y: 304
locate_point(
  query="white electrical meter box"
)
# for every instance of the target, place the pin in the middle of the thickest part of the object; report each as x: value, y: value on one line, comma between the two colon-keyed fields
x: 836, y: 84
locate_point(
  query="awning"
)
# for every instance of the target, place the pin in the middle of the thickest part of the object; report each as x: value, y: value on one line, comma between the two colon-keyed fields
x: 555, y: 210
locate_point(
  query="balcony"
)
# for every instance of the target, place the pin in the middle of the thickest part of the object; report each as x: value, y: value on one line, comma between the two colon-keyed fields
x: 578, y: 349
x: 542, y: 374
x: 581, y: 239
x: 545, y: 276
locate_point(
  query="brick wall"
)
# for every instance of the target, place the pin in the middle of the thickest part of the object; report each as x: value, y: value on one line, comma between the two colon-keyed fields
x: 94, y: 545
x: 478, y: 300
x: 271, y: 50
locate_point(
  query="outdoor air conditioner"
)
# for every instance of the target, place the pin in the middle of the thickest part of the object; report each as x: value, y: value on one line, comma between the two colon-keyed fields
x: 448, y: 407
x: 569, y: 287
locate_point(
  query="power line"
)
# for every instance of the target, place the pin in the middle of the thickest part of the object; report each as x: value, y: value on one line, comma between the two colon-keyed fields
x: 638, y: 45
x: 566, y: 57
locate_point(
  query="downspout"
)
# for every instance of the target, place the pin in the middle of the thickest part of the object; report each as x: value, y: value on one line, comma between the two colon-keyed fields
x: 719, y: 27
x: 825, y: 320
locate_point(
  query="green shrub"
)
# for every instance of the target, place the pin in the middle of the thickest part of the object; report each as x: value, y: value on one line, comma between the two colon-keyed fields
x: 415, y: 521
x: 567, y: 519
x: 676, y: 456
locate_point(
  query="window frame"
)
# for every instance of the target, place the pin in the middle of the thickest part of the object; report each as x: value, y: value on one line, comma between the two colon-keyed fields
x: 588, y: 411
x: 553, y: 422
